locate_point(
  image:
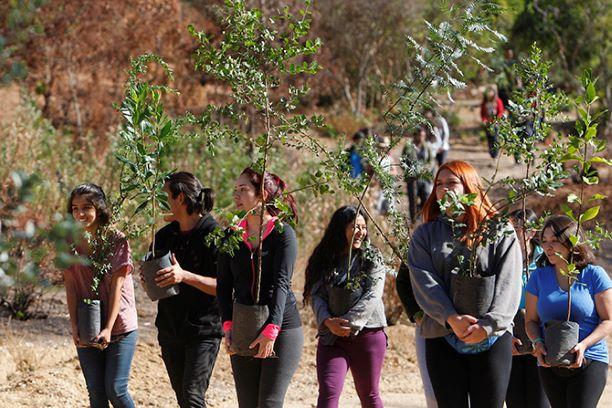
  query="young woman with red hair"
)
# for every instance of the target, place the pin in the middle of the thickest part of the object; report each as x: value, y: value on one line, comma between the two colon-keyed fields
x: 468, y: 357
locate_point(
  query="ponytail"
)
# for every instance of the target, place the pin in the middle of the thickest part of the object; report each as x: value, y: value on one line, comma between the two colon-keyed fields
x: 197, y: 199
x: 275, y: 187
x: 207, y: 199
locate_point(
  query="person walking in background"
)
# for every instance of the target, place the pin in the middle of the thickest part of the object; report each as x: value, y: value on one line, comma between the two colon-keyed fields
x: 508, y: 81
x: 106, y: 361
x: 468, y: 357
x: 354, y: 156
x: 491, y: 108
x: 415, y: 315
x: 189, y: 323
x: 418, y: 155
x: 262, y: 381
x: 386, y: 199
x: 581, y: 384
x: 441, y: 134
x: 525, y: 389
x: 345, y: 279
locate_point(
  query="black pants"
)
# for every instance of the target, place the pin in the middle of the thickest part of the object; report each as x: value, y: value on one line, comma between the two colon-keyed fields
x: 263, y: 383
x: 441, y: 157
x: 469, y: 380
x: 492, y: 142
x: 190, y: 365
x: 525, y: 389
x: 416, y: 191
x: 576, y: 388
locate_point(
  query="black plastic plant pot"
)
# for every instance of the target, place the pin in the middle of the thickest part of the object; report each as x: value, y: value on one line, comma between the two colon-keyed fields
x: 520, y: 333
x: 247, y: 322
x: 341, y: 299
x: 150, y: 267
x: 472, y: 295
x: 89, y: 320
x: 560, y: 338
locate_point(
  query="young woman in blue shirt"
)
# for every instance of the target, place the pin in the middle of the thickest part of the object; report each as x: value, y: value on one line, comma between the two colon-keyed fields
x: 582, y: 383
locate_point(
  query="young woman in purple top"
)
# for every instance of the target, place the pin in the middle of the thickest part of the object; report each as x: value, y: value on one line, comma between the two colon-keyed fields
x: 582, y: 383
x: 106, y: 361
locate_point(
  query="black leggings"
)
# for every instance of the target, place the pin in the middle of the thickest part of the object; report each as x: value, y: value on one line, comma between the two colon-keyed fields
x: 492, y: 142
x: 263, y: 383
x: 469, y: 380
x: 576, y: 388
x: 525, y: 389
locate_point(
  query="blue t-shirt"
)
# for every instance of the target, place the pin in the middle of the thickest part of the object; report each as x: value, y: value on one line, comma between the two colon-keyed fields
x: 537, y: 253
x: 552, y: 302
x: 356, y: 164
x: 468, y: 348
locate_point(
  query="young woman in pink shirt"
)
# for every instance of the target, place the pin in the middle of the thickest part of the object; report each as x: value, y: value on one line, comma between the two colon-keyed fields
x: 107, y: 358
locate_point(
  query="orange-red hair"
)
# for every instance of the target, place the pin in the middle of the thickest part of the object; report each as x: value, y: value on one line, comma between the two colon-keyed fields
x: 475, y: 214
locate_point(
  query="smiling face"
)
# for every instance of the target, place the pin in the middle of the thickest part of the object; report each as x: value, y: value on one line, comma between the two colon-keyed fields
x: 556, y: 252
x: 447, y: 181
x: 245, y: 196
x: 361, y: 231
x: 84, y: 212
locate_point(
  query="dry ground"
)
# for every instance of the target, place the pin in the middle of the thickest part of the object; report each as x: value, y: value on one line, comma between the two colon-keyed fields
x: 39, y: 367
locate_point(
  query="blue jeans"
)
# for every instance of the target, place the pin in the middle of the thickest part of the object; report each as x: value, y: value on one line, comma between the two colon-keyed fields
x: 107, y: 372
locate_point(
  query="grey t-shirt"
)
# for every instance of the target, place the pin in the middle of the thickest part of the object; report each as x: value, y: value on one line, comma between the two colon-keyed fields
x: 431, y: 259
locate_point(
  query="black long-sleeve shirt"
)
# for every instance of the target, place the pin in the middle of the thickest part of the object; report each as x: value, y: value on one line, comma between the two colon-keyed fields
x: 405, y: 293
x: 192, y: 313
x: 236, y: 278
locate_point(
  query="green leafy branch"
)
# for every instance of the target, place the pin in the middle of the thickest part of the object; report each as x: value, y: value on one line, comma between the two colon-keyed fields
x: 584, y: 147
x: 146, y: 135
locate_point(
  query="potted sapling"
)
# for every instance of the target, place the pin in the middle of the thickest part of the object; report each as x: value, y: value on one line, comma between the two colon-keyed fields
x: 256, y: 57
x: 561, y: 336
x: 90, y: 311
x: 343, y: 295
x: 470, y: 290
x: 522, y: 133
x: 145, y: 136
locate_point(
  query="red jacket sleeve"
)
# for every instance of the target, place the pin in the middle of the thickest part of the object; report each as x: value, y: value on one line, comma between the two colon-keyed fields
x: 483, y: 112
x: 500, y: 108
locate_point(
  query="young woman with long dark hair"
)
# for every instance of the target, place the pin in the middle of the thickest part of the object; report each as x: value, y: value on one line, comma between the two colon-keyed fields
x: 262, y: 380
x: 468, y: 357
x: 107, y: 360
x: 525, y: 388
x: 345, y: 279
x: 189, y: 323
x: 581, y: 384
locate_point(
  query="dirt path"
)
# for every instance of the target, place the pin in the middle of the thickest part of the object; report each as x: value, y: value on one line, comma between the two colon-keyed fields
x: 39, y: 368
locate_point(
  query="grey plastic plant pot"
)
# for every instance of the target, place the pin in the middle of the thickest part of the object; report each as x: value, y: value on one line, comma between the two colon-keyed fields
x: 472, y: 295
x: 521, y: 334
x: 247, y: 322
x: 341, y: 299
x: 89, y: 320
x: 560, y: 338
x: 150, y: 267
